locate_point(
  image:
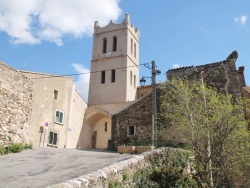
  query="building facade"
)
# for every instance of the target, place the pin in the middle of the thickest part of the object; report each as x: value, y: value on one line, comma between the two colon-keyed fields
x: 57, y: 111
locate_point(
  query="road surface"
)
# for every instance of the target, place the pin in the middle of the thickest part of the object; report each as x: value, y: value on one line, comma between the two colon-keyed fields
x: 42, y: 167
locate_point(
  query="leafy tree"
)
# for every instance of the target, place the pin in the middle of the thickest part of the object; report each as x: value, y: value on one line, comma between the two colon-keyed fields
x: 209, y: 123
x: 247, y: 110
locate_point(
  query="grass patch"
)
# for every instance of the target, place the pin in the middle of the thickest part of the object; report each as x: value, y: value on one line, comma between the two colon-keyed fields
x: 14, y: 148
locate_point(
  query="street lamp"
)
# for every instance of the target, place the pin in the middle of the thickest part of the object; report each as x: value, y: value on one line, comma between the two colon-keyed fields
x: 143, y: 81
x: 154, y: 107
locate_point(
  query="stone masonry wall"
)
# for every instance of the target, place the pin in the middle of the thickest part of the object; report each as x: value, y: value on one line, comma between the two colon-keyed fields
x: 101, y: 178
x: 220, y: 75
x: 139, y: 115
x: 15, y: 106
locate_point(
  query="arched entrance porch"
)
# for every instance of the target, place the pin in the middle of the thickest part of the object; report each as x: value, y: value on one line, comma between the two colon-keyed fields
x: 96, y: 130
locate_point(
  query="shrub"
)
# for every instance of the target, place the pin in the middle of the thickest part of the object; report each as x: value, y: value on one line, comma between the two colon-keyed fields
x: 115, y: 184
x: 2, y: 150
x: 125, y: 176
x: 170, y: 177
x: 28, y: 146
x: 172, y: 172
x: 16, y: 147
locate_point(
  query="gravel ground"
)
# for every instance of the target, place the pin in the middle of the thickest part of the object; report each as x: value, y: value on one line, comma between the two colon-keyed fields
x: 42, y: 167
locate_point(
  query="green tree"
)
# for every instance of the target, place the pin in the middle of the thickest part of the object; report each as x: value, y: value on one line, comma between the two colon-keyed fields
x: 209, y: 123
x: 247, y: 110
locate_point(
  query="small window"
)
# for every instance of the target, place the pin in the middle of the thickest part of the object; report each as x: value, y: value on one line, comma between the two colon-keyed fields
x: 53, y: 138
x: 131, y: 130
x: 102, y: 77
x: 55, y: 94
x: 135, y: 50
x: 134, y: 81
x: 59, y: 117
x: 114, y: 43
x: 131, y: 78
x: 104, y: 47
x: 113, y: 75
x: 131, y: 46
x: 105, y: 126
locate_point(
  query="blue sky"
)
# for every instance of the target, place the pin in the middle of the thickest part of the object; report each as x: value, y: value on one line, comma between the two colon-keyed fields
x: 55, y: 37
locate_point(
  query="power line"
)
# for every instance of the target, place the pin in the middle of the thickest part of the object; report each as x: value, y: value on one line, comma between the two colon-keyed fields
x: 51, y: 76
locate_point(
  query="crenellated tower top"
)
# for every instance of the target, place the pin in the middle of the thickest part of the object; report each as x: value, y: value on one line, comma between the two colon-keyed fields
x: 125, y: 24
x: 115, y: 63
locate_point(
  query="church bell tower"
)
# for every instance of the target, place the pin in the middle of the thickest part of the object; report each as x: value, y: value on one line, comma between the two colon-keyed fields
x: 115, y: 63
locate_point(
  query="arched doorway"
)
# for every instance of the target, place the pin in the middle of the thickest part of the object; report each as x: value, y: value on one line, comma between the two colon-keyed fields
x: 96, y: 130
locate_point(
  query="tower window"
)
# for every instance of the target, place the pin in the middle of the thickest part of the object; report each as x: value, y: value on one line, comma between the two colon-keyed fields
x: 134, y: 81
x: 131, y: 46
x: 102, y: 77
x: 106, y: 127
x: 104, y: 47
x: 55, y: 94
x: 135, y: 50
x: 113, y: 75
x: 131, y: 78
x: 114, y: 43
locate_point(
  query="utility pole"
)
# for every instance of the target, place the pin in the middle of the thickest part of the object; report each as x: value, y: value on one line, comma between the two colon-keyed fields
x: 154, y: 107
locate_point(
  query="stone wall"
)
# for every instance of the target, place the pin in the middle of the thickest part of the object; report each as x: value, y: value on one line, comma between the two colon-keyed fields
x: 142, y: 90
x: 241, y: 78
x: 220, y: 75
x: 138, y: 115
x: 103, y: 177
x: 16, y: 93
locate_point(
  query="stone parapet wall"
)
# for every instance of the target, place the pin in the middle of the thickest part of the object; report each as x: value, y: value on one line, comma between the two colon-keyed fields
x: 103, y: 177
x: 223, y: 75
x: 16, y: 93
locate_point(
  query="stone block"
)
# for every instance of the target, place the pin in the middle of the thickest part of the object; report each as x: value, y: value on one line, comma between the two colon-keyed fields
x: 126, y: 149
x: 142, y: 149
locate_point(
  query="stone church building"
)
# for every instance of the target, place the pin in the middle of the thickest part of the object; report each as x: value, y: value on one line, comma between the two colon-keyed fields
x: 114, y: 80
x: 49, y: 112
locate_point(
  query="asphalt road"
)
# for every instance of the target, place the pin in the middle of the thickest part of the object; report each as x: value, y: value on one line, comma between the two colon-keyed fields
x: 42, y: 167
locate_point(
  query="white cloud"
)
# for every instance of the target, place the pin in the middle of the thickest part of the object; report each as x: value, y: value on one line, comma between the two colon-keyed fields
x: 33, y: 21
x: 176, y: 66
x: 82, y: 84
x: 242, y: 19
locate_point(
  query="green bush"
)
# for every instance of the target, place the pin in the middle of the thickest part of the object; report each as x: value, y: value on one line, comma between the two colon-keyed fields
x: 16, y: 147
x: 115, y: 184
x: 172, y: 172
x: 171, y: 177
x: 125, y: 176
x: 2, y: 150
x: 28, y: 146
